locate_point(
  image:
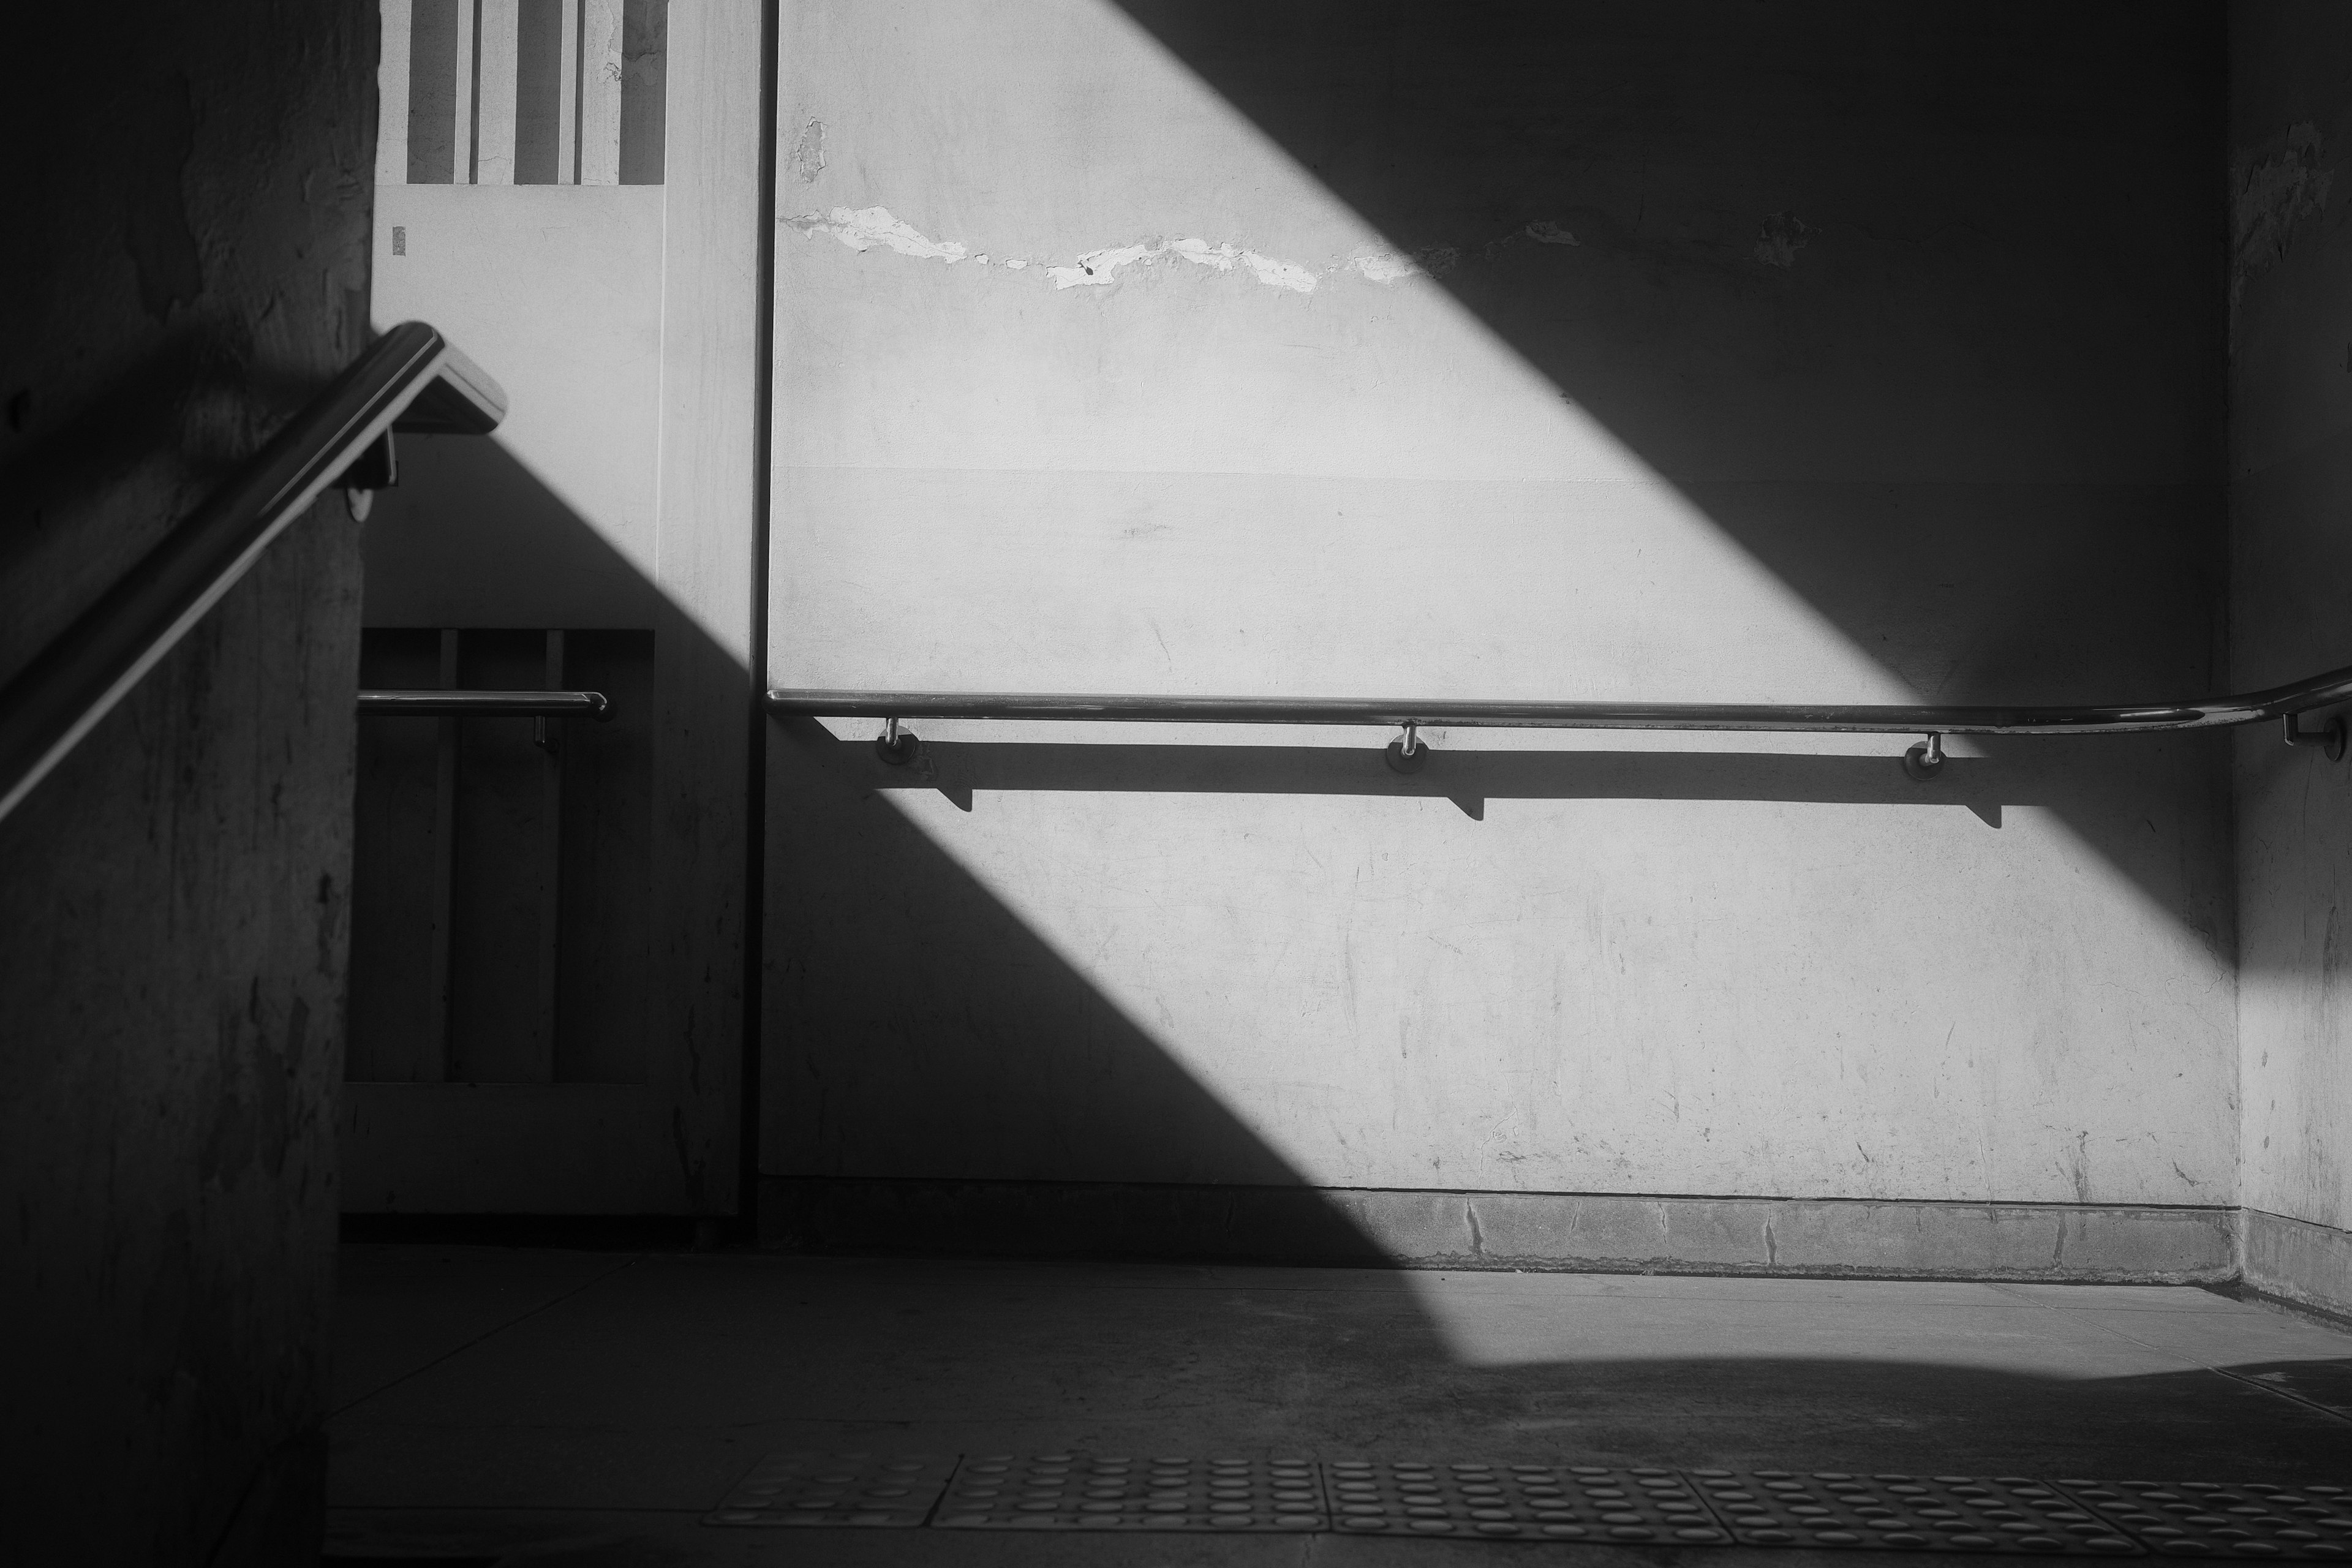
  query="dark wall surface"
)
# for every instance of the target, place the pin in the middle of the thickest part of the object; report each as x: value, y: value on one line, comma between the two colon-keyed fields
x: 183, y: 263
x: 2290, y: 482
x: 1918, y: 302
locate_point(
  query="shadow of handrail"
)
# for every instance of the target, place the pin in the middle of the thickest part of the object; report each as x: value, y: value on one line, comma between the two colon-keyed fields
x: 1468, y: 778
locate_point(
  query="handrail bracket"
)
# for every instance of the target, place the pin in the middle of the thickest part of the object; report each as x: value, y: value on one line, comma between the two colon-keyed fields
x: 1407, y: 752
x: 1925, y: 760
x: 895, y: 746
x: 2329, y: 736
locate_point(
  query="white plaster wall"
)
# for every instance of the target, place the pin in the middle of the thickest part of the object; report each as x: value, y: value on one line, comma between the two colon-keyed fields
x: 1302, y: 467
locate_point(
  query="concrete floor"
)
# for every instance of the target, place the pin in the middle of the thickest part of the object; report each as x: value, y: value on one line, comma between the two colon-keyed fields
x: 584, y: 1408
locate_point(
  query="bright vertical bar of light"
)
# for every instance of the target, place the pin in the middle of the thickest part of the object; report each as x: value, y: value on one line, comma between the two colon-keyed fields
x: 463, y: 172
x: 567, y: 97
x: 600, y: 93
x: 392, y: 93
x: 494, y: 107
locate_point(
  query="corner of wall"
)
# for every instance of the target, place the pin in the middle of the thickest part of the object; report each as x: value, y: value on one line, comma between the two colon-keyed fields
x: 2289, y: 417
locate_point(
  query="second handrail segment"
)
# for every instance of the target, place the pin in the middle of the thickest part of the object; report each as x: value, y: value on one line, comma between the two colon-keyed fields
x: 1930, y: 720
x: 462, y: 704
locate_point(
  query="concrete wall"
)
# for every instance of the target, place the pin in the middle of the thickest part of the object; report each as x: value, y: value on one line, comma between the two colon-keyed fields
x: 185, y: 263
x: 2290, y: 479
x: 1809, y: 351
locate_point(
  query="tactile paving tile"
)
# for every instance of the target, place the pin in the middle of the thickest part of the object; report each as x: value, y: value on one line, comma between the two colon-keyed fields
x: 2205, y: 1519
x: 1529, y: 1502
x: 1092, y: 1491
x: 887, y: 1490
x: 1908, y: 1513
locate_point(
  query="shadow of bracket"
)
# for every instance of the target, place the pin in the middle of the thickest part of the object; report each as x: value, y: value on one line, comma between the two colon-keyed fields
x: 1469, y: 779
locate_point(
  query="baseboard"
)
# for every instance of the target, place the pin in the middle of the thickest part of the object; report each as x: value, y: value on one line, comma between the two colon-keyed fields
x: 567, y: 1232
x: 1565, y: 1232
x: 2297, y: 1262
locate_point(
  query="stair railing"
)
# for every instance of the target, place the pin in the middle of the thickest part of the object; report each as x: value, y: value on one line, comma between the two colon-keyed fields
x: 412, y: 379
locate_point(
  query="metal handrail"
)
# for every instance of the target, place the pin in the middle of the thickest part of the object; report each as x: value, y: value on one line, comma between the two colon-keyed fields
x: 1931, y: 720
x: 452, y: 704
x: 413, y: 379
x: 1879, y: 719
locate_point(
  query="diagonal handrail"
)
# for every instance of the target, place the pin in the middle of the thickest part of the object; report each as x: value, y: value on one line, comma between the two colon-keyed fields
x: 412, y: 378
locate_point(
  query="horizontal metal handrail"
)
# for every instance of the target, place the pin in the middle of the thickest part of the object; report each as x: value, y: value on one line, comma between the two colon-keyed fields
x: 1932, y: 720
x: 413, y: 379
x: 446, y: 704
x: 1886, y: 719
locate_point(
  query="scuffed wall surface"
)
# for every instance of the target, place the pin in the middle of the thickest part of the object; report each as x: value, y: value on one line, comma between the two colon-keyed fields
x: 2291, y: 483
x: 1779, y: 352
x: 185, y: 263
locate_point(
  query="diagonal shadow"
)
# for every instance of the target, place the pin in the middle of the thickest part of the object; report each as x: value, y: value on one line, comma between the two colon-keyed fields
x: 897, y: 986
x: 1828, y: 270
x: 2013, y: 405
x: 898, y: 989
x: 1949, y: 337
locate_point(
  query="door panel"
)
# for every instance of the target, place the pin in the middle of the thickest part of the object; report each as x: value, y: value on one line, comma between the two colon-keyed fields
x: 548, y: 947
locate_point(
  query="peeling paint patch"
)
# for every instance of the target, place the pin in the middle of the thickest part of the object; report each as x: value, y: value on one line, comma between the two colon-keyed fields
x: 863, y: 228
x: 1264, y: 268
x: 1101, y: 267
x: 1385, y: 267
x: 1779, y: 239
x: 808, y: 152
x: 2275, y: 194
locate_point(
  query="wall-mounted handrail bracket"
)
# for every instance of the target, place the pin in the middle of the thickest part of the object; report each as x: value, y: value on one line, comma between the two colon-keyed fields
x: 1408, y: 752
x: 895, y: 746
x: 2329, y: 736
x: 1925, y: 760
x: 375, y: 469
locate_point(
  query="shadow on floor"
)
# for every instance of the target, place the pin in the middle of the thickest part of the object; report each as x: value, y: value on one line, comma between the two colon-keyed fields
x: 505, y: 1398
